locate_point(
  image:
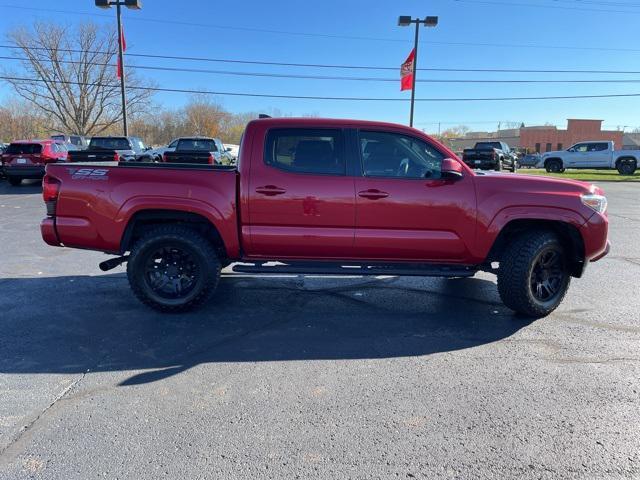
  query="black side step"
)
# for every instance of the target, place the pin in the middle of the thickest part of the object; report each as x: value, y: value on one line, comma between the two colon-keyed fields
x: 331, y: 268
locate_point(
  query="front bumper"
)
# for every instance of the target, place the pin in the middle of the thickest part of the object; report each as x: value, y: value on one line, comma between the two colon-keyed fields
x: 595, y: 235
x: 28, y: 171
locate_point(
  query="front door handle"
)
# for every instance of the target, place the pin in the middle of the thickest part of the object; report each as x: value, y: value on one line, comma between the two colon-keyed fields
x: 373, y: 194
x: 270, y: 190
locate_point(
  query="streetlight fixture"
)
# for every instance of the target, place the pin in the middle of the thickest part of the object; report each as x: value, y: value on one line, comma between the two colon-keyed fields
x: 133, y: 5
x: 405, y: 21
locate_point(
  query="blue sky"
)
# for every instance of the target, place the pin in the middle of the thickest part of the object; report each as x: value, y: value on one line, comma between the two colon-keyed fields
x: 520, y: 34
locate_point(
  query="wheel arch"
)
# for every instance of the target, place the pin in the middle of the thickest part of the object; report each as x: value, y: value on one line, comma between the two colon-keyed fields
x: 567, y: 233
x: 144, y: 220
x: 626, y: 157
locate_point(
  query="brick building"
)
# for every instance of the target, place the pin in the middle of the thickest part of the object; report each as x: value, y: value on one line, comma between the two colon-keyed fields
x: 544, y: 139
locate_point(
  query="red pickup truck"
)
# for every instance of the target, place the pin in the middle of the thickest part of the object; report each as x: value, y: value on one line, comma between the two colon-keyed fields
x: 328, y: 197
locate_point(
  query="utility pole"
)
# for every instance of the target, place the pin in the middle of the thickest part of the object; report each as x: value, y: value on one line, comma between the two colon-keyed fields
x: 405, y: 21
x: 135, y: 5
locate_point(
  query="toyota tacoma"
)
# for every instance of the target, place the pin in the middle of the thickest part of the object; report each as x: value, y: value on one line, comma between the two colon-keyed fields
x: 330, y: 197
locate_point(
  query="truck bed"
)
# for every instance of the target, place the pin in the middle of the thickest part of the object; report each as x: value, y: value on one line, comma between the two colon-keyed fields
x: 98, y: 200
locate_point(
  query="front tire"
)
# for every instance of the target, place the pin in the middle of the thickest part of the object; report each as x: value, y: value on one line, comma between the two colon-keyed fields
x: 554, y: 166
x: 173, y: 268
x: 533, y: 277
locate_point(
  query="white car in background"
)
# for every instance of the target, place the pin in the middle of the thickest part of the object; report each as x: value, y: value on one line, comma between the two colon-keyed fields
x: 595, y: 154
x: 233, y: 150
x: 157, y: 153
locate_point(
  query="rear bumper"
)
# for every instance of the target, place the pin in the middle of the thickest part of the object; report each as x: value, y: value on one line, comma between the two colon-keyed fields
x: 485, y: 164
x: 48, y: 231
x: 29, y: 171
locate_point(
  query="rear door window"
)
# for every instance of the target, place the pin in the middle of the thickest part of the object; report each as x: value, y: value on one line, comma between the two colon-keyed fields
x: 301, y: 150
x: 24, y: 149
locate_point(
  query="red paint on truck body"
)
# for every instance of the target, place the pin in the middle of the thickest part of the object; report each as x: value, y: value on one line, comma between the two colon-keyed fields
x: 262, y: 212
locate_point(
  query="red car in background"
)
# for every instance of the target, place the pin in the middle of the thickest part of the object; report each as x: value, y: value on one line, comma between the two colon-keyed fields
x: 27, y: 158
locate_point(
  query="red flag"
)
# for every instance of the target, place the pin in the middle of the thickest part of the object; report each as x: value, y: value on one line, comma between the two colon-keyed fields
x: 406, y: 72
x: 124, y: 49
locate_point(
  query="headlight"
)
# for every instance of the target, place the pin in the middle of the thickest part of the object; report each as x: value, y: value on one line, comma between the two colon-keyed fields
x: 595, y: 202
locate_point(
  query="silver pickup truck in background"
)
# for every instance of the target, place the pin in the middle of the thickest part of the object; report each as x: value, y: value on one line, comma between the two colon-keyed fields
x: 591, y: 154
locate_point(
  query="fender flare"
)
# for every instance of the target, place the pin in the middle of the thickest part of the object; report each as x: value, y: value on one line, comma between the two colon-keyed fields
x: 225, y: 227
x: 502, y: 218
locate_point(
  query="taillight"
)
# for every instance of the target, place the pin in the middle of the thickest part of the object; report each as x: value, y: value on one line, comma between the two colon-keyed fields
x: 69, y: 157
x: 116, y: 157
x: 50, y: 192
x: 211, y: 160
x: 164, y: 158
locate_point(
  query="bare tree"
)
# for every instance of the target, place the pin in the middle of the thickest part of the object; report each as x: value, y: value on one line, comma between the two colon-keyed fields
x: 20, y: 120
x: 71, y: 76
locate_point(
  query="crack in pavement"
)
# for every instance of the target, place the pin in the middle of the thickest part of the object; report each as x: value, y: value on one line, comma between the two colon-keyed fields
x: 11, y: 450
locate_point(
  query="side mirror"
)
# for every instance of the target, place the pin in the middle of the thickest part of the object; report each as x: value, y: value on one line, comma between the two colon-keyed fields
x: 571, y: 150
x: 451, y: 169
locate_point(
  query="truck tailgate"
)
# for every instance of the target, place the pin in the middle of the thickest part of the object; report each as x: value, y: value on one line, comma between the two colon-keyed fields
x: 97, y: 201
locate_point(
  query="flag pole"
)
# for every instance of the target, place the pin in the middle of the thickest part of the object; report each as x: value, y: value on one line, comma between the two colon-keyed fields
x: 413, y: 80
x: 405, y: 21
x: 121, y: 71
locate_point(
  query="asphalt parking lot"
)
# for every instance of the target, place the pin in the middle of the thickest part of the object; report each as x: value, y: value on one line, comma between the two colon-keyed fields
x: 306, y: 377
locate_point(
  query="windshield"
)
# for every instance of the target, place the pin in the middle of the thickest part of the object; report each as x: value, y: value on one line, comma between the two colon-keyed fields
x: 110, y: 143
x: 24, y: 149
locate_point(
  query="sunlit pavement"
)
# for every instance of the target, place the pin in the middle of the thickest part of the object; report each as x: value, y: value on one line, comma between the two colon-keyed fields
x: 333, y: 378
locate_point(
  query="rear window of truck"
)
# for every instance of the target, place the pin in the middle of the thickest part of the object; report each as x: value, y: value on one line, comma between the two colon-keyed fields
x: 24, y: 149
x: 489, y: 145
x: 110, y: 143
x: 198, y: 144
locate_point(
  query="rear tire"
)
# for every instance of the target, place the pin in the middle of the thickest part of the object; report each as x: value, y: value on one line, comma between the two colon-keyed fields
x: 15, y: 181
x: 533, y: 277
x: 173, y: 268
x: 498, y: 167
x: 626, y: 167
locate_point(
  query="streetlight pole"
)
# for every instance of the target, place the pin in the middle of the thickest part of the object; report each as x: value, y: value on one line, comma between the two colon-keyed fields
x: 415, y: 68
x: 405, y: 21
x: 136, y: 5
x: 121, y: 66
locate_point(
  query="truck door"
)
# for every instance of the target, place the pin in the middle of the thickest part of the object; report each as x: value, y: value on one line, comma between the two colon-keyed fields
x: 599, y: 155
x: 301, y: 202
x: 577, y: 156
x: 404, y: 210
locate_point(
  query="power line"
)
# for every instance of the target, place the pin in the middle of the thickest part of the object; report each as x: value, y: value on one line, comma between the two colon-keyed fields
x: 553, y: 7
x: 355, y: 67
x: 329, y: 77
x: 317, y: 97
x: 336, y: 36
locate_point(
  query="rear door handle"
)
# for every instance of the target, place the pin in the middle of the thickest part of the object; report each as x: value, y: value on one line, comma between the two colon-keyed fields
x: 373, y: 194
x: 270, y: 190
